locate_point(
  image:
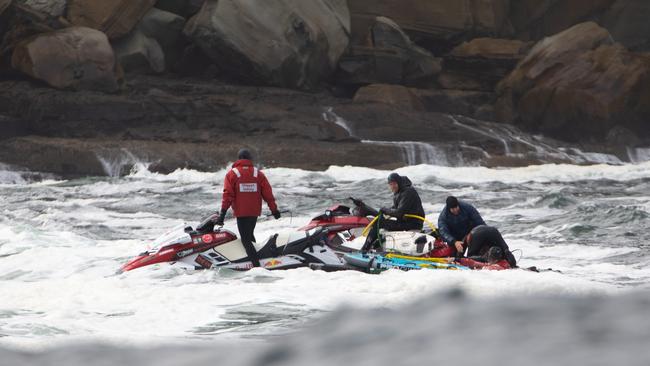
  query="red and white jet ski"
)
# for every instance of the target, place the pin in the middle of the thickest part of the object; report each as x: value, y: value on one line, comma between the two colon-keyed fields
x: 210, y: 247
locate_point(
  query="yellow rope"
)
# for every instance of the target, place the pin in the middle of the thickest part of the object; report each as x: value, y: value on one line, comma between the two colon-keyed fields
x: 408, y: 257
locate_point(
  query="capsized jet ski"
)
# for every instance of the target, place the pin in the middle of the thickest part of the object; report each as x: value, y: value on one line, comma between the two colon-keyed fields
x: 214, y: 247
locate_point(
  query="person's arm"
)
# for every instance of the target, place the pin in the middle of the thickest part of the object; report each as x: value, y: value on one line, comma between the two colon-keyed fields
x: 406, y: 200
x: 443, y: 227
x: 267, y: 193
x: 228, y: 196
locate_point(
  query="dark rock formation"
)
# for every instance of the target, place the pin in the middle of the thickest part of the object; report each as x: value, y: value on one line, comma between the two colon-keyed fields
x: 481, y: 63
x: 396, y: 95
x: 387, y: 56
x: 116, y: 18
x: 76, y: 57
x: 155, y: 45
x: 292, y: 43
x: 536, y: 19
x: 436, y: 25
x: 54, y: 8
x: 184, y: 8
x: 627, y: 21
x: 577, y: 85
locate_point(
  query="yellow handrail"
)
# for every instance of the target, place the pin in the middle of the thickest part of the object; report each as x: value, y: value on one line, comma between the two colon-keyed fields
x: 367, y: 228
x: 408, y: 257
x: 432, y: 226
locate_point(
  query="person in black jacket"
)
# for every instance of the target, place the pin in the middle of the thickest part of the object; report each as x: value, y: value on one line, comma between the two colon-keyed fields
x: 406, y: 200
x: 482, y: 238
x: 456, y: 220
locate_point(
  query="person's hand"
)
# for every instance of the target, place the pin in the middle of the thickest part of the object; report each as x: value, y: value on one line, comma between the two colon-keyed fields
x: 357, y: 202
x: 276, y: 214
x: 459, y: 247
x: 221, y: 218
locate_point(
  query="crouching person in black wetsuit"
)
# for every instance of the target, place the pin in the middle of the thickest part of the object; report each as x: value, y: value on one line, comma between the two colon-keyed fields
x: 493, y: 260
x: 484, y: 237
x: 406, y: 200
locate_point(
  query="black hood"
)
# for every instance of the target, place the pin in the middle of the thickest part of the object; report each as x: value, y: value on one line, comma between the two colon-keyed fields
x: 404, y: 182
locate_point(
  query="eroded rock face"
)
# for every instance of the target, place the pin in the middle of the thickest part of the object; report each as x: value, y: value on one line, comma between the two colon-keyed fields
x: 387, y: 56
x: 75, y: 57
x: 481, y: 63
x: 55, y: 8
x: 292, y: 43
x: 437, y: 25
x: 116, y: 18
x: 577, y: 85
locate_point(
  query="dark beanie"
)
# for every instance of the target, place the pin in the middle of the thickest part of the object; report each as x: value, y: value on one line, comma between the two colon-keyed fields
x: 452, y: 202
x: 394, y: 177
x: 244, y: 154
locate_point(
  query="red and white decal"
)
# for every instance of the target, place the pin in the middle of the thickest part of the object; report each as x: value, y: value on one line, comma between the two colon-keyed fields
x: 207, y: 238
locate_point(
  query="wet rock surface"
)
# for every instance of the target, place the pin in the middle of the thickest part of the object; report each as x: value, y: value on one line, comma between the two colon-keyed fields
x: 390, y: 83
x: 577, y: 84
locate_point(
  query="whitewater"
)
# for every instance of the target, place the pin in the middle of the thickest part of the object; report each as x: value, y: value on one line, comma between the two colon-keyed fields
x: 62, y: 241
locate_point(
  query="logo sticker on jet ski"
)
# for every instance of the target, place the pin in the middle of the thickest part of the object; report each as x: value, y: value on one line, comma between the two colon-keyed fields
x: 248, y: 187
x: 207, y: 238
x: 203, y: 261
x: 272, y: 263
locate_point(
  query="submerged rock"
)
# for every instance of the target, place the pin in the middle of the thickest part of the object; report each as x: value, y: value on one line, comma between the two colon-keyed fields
x: 76, y: 57
x: 292, y: 43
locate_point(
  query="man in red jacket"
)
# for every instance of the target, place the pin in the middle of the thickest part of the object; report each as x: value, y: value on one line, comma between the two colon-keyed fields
x: 244, y: 188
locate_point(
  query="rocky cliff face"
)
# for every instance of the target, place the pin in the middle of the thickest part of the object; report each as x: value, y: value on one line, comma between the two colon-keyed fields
x: 73, y: 76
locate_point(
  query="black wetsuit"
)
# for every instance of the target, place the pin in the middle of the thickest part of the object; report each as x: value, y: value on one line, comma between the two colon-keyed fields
x: 483, y: 237
x: 405, y: 201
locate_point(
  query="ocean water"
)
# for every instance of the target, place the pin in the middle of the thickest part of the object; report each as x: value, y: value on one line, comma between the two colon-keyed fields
x: 61, y: 301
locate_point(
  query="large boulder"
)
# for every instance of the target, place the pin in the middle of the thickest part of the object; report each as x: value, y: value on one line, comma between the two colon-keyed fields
x: 292, y: 43
x: 438, y: 25
x: 388, y: 56
x: 481, y: 63
x: 154, y: 45
x: 577, y: 85
x: 627, y: 21
x: 116, y: 18
x: 536, y: 19
x: 76, y: 57
x: 55, y: 8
